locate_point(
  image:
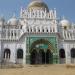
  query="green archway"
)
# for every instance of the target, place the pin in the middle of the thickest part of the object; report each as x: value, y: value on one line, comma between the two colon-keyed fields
x: 41, y: 45
x: 41, y: 52
x: 40, y: 42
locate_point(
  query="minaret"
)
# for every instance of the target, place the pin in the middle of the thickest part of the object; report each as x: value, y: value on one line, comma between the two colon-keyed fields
x: 1, y: 36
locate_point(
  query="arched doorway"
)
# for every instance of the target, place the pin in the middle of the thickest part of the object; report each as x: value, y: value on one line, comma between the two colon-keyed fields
x: 19, y: 56
x: 42, y: 56
x: 7, y: 53
x: 49, y: 57
x: 40, y: 52
x: 73, y: 55
x: 33, y: 56
x: 62, y: 56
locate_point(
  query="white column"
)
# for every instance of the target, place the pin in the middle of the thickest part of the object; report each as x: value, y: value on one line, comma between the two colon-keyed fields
x: 45, y: 29
x: 10, y: 34
x: 24, y: 54
x: 29, y: 30
x: 41, y: 14
x: 69, y: 36
x: 17, y: 31
x: 63, y: 34
x: 66, y: 34
x: 68, y: 55
x: 49, y: 29
x: 40, y: 29
x: 13, y: 33
x: 37, y: 13
x: 30, y: 13
x: 36, y: 29
x: 55, y: 27
x: 52, y: 28
x: 6, y: 33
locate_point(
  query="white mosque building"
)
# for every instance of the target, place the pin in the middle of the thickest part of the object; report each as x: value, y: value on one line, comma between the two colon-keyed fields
x: 37, y: 37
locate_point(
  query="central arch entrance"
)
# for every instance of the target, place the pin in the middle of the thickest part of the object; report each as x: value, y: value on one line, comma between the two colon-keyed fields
x: 41, y: 52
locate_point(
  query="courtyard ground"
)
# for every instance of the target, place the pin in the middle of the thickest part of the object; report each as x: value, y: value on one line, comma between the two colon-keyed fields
x: 40, y: 70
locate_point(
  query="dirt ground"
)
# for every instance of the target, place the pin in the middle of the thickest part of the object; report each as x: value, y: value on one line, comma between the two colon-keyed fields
x: 40, y: 70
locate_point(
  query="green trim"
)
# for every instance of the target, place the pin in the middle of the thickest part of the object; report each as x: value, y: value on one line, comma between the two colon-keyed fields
x: 53, y: 43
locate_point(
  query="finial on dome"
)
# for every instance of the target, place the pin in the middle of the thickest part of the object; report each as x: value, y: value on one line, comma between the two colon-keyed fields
x: 54, y: 8
x: 14, y: 16
x: 21, y: 8
x: 63, y: 17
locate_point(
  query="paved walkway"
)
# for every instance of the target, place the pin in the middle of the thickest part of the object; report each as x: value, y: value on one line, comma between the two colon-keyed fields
x: 40, y: 70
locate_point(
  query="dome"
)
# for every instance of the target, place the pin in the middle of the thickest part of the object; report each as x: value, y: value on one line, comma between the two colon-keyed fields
x: 64, y: 22
x: 13, y: 21
x: 38, y: 5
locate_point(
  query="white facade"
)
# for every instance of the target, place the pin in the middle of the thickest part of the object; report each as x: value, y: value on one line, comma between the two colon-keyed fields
x: 35, y: 22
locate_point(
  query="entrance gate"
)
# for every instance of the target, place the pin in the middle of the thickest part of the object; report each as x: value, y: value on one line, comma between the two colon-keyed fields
x: 41, y: 57
x: 41, y: 51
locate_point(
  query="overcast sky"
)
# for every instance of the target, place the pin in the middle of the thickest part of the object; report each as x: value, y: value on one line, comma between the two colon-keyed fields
x: 63, y: 7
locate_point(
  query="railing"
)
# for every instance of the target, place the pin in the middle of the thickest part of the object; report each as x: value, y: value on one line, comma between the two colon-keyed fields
x: 10, y: 34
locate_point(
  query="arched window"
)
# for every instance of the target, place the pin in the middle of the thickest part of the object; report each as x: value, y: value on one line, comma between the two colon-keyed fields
x: 47, y: 30
x: 62, y: 53
x: 73, y: 52
x: 31, y: 29
x: 20, y: 54
x: 43, y: 30
x: 38, y: 29
x: 7, y: 53
x: 27, y: 30
x: 12, y: 33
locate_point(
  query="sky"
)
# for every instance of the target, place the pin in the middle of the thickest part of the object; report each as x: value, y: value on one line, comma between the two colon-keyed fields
x: 64, y: 8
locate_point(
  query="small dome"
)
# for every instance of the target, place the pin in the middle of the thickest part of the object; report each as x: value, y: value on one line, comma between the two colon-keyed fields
x: 13, y: 21
x: 64, y: 22
x: 38, y: 5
